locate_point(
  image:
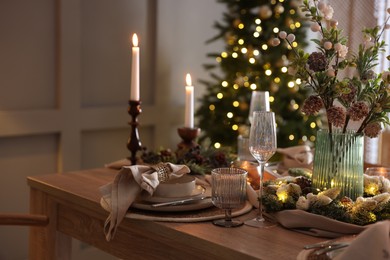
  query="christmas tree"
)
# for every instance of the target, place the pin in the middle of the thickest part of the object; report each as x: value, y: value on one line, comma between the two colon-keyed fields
x: 251, y: 61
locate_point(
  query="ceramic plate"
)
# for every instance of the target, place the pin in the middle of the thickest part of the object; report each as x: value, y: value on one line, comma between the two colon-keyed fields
x: 198, y: 191
x: 146, y: 202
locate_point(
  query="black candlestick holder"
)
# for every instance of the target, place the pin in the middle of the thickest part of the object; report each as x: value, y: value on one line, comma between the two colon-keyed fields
x: 188, y: 136
x: 134, y: 143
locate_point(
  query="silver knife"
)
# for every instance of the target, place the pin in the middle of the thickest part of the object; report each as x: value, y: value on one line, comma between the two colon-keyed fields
x: 179, y: 202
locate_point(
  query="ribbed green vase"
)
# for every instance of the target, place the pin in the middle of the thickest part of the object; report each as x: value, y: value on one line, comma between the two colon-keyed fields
x: 338, y: 162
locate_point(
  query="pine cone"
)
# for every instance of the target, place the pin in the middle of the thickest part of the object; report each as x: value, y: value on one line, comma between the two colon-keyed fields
x: 312, y: 105
x: 358, y: 110
x: 317, y: 61
x: 305, y: 184
x: 336, y: 116
x: 373, y: 129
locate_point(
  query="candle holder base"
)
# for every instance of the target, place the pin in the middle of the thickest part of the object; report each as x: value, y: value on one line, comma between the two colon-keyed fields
x: 134, y: 143
x: 188, y: 136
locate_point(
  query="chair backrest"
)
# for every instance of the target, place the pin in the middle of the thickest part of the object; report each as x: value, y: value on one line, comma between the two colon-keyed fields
x: 23, y: 220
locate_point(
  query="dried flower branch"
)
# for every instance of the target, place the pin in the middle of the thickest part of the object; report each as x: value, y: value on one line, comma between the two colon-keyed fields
x: 365, y: 96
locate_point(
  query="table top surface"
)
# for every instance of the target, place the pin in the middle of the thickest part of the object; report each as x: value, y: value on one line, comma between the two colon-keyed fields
x: 81, y: 188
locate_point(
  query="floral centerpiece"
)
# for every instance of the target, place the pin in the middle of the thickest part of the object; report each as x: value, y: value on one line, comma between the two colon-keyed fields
x: 295, y: 192
x: 362, y: 98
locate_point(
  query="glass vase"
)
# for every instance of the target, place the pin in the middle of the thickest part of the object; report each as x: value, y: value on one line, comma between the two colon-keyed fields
x: 338, y: 162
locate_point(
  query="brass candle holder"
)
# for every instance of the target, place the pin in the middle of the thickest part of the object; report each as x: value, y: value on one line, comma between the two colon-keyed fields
x: 188, y: 136
x: 134, y: 143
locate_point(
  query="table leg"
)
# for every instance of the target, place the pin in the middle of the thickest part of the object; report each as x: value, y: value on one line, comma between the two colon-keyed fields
x: 46, y: 242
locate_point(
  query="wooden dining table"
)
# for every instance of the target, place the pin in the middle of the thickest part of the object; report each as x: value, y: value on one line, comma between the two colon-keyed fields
x: 72, y: 203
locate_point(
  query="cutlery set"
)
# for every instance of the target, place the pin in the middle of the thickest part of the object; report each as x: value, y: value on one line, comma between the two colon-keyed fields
x: 323, y: 248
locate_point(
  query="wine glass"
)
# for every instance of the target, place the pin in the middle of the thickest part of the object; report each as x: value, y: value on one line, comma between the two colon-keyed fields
x: 262, y: 145
x: 228, y: 192
x: 259, y: 102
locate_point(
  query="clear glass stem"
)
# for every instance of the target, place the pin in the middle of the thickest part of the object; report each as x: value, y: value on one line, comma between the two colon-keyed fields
x: 260, y: 212
x: 228, y: 215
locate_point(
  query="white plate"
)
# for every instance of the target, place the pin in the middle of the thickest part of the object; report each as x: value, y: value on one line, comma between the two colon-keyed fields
x: 146, y: 202
x: 198, y: 191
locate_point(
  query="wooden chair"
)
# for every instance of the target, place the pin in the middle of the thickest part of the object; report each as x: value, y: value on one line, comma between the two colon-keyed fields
x: 23, y: 220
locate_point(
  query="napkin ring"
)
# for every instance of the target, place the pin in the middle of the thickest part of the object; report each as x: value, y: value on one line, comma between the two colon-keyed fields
x: 163, y: 171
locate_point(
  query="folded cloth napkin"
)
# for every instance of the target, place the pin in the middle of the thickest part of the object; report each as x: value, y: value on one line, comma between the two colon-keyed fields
x: 129, y: 183
x: 299, y: 156
x: 313, y: 224
x: 373, y: 243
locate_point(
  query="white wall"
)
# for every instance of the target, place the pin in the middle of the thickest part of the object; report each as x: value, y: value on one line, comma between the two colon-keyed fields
x: 64, y: 84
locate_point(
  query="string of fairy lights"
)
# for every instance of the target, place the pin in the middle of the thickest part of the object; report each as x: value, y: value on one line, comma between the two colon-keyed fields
x: 239, y: 50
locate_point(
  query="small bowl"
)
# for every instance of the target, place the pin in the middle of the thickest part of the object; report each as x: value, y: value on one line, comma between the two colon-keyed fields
x: 179, y: 187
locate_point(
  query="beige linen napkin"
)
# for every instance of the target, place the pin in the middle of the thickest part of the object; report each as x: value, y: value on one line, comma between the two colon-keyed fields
x: 129, y: 183
x: 299, y: 156
x: 313, y: 224
x: 373, y: 243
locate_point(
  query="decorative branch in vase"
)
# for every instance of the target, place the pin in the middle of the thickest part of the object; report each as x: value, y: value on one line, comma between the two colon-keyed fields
x: 363, y: 98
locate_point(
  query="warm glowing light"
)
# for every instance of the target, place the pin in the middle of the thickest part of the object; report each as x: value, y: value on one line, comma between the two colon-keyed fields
x: 241, y: 41
x: 284, y: 69
x: 252, y: 60
x: 313, y: 125
x: 312, y: 138
x: 236, y: 103
x: 256, y: 52
x: 234, y: 55
x: 188, y: 79
x: 292, y: 26
x: 281, y: 1
x: 294, y: 44
x: 295, y: 106
x: 257, y: 21
x: 259, y: 28
x: 241, y: 26
x: 256, y: 34
x: 244, y: 50
x: 253, y: 86
x: 219, y: 95
x: 212, y: 107
x: 218, y: 59
x: 276, y: 30
x: 135, y: 40
x: 235, y: 86
x: 291, y: 137
x: 264, y: 46
x: 304, y: 138
x: 298, y: 81
x: 297, y: 24
x: 229, y: 115
x: 217, y: 145
x: 282, y: 196
x: 277, y: 80
x: 292, y: 11
x: 224, y: 54
x: 235, y: 127
x: 268, y: 72
x: 224, y: 84
x: 291, y: 84
x: 271, y: 99
x: 246, y: 84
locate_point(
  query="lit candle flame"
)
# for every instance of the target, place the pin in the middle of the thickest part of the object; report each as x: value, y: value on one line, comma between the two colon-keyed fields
x: 188, y: 80
x: 135, y: 40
